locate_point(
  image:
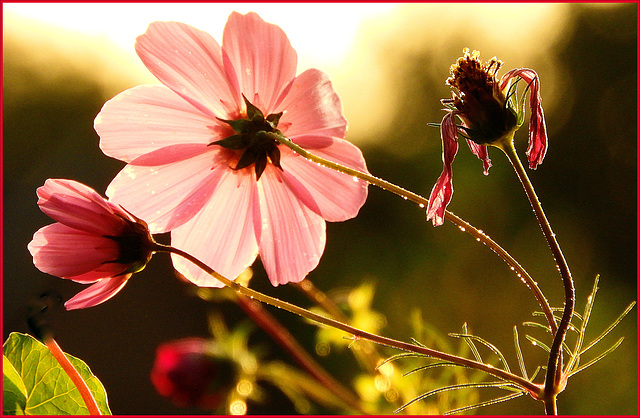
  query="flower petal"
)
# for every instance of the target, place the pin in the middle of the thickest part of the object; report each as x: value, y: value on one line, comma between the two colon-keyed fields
x: 189, y: 62
x: 67, y: 252
x: 333, y: 195
x: 79, y: 206
x: 481, y: 152
x: 537, y: 147
x: 167, y: 196
x: 443, y: 190
x: 261, y: 55
x: 146, y: 118
x: 292, y: 237
x: 312, y: 106
x: 222, y: 234
x: 97, y: 293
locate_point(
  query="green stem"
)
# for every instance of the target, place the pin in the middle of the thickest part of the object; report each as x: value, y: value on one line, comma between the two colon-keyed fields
x: 423, y: 203
x: 534, y: 390
x: 554, y: 367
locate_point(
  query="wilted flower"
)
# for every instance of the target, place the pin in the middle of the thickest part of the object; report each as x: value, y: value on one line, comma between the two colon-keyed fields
x: 489, y: 115
x: 186, y: 372
x: 202, y: 159
x: 94, y: 241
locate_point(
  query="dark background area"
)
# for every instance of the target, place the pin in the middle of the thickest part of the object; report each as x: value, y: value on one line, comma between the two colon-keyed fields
x: 587, y: 184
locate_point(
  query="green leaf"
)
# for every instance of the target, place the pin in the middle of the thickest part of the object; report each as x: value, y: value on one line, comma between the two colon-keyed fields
x: 14, y: 394
x: 46, y: 387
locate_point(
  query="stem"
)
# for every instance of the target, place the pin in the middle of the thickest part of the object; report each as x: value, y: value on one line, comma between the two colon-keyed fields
x: 371, y: 358
x: 73, y: 374
x: 283, y: 337
x: 422, y: 202
x: 534, y: 390
x: 552, y: 380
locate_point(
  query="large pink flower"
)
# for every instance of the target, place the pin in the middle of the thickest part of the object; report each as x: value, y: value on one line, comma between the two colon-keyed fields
x: 489, y: 115
x: 200, y: 164
x: 94, y: 241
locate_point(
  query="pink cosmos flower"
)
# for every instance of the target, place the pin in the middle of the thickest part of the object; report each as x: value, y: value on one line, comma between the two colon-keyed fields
x: 94, y: 241
x: 489, y: 115
x: 202, y: 161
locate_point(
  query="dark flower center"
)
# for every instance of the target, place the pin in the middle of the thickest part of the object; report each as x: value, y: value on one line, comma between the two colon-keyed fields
x: 252, y: 139
x: 135, y: 245
x: 479, y: 102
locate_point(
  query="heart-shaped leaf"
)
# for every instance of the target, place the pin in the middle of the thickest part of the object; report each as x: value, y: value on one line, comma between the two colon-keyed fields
x: 34, y: 383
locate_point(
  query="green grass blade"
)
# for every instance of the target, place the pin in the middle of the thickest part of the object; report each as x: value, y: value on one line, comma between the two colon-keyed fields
x: 486, y: 403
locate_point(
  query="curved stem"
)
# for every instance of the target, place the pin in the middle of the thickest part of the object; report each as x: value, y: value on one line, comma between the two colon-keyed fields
x: 371, y: 358
x: 422, y: 202
x: 554, y: 367
x: 283, y: 337
x: 73, y: 374
x: 534, y: 390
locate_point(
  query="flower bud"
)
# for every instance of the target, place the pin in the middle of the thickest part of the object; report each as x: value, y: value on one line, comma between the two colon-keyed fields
x: 188, y: 372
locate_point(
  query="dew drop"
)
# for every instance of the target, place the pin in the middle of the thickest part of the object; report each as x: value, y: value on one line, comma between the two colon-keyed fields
x: 421, y: 205
x: 354, y: 178
x: 462, y: 228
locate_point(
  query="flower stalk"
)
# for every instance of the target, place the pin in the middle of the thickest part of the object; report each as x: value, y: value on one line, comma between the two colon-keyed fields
x: 553, y: 380
x: 534, y: 390
x: 422, y: 202
x: 73, y: 374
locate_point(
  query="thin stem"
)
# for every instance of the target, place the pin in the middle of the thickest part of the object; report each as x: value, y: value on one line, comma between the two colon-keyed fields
x: 284, y: 338
x: 73, y: 374
x: 534, y: 389
x: 554, y: 367
x: 370, y: 358
x: 422, y: 202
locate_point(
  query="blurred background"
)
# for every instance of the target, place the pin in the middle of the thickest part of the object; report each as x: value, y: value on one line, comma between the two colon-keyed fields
x: 389, y: 63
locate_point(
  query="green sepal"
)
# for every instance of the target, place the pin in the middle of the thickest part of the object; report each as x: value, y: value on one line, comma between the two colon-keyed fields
x: 236, y: 142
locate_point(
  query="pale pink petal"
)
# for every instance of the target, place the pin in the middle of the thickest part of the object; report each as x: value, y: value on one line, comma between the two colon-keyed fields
x: 261, y: 56
x: 222, y: 234
x: 78, y: 206
x: 169, y: 195
x: 443, y: 190
x: 97, y: 293
x: 146, y: 118
x: 67, y: 252
x: 312, y: 106
x: 537, y: 148
x: 333, y: 195
x: 292, y: 236
x: 189, y: 62
x: 481, y: 152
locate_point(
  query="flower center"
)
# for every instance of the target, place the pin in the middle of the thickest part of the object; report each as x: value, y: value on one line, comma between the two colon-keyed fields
x: 479, y: 102
x: 135, y: 244
x: 252, y: 139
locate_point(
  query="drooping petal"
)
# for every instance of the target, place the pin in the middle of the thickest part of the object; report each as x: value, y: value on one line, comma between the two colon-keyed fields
x: 67, y: 252
x: 292, y: 236
x: 481, y: 152
x: 189, y: 62
x: 222, y: 234
x: 312, y: 107
x: 537, y: 148
x: 146, y: 118
x: 169, y: 195
x: 333, y: 195
x: 443, y: 190
x: 78, y: 206
x: 97, y: 293
x: 261, y: 56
